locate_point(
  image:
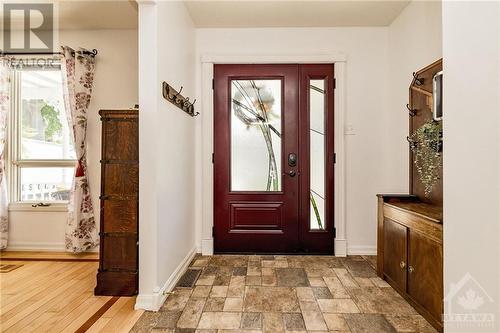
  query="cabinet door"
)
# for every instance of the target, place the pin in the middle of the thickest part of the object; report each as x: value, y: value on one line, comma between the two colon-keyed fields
x: 395, y: 253
x: 425, y: 273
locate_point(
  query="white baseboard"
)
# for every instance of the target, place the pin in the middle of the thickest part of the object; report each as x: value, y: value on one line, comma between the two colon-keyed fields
x: 154, y: 301
x: 40, y: 247
x: 36, y: 246
x: 367, y: 250
x: 340, y: 247
x: 207, y: 247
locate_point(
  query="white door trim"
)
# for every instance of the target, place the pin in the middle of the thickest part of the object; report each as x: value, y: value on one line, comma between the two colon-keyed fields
x: 207, y: 127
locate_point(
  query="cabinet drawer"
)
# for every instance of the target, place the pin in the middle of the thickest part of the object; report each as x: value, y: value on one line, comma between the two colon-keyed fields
x: 121, y: 180
x: 120, y: 252
x: 120, y: 215
x: 425, y: 273
x: 395, y: 253
x: 121, y: 140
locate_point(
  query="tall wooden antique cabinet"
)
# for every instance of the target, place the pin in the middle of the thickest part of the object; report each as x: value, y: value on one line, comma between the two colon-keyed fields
x: 119, y: 228
x: 410, y: 226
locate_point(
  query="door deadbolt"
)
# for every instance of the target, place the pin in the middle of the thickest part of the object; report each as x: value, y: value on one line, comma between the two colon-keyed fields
x: 292, y: 159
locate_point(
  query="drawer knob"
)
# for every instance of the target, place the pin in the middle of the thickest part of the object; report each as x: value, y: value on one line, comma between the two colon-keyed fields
x: 402, y: 265
x: 411, y: 269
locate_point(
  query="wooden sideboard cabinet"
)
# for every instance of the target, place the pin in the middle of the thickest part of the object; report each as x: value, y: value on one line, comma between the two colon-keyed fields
x: 410, y: 252
x: 119, y: 224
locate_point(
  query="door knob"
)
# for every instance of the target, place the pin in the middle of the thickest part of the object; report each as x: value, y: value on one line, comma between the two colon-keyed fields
x: 292, y: 173
x: 411, y: 269
x: 402, y: 264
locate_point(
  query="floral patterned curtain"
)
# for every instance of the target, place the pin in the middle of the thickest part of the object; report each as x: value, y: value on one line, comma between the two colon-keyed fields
x: 4, y: 111
x: 78, y: 74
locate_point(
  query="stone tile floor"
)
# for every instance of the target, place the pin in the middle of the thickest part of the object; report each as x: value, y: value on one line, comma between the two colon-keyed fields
x: 249, y: 294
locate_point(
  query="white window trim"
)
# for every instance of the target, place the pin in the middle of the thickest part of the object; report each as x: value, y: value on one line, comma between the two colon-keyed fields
x: 11, y: 167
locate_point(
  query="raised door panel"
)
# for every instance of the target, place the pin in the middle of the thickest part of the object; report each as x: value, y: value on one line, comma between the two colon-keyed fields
x: 425, y: 273
x: 257, y: 217
x: 395, y: 253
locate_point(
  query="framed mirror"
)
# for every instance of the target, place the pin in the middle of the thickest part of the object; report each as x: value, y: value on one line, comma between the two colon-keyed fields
x: 437, y: 96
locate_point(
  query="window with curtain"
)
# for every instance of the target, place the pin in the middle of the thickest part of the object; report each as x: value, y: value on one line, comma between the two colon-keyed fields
x: 41, y: 154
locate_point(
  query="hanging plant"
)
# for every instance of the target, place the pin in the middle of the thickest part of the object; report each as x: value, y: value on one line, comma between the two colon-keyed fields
x: 426, y: 144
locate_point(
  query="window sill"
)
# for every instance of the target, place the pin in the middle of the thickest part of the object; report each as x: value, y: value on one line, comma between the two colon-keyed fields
x: 27, y: 207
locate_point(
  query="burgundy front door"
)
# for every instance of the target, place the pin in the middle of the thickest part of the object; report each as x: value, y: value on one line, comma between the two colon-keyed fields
x: 273, y: 177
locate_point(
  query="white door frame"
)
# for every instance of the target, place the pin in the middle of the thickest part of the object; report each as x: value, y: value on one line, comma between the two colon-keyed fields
x: 207, y: 138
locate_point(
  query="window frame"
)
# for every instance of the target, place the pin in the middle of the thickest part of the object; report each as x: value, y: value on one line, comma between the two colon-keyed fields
x: 14, y: 162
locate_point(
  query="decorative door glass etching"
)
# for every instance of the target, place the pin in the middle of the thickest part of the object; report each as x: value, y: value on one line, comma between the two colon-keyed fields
x: 317, y: 97
x: 256, y: 135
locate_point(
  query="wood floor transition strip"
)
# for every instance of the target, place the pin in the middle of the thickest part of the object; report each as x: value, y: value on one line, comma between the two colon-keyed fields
x: 5, y: 268
x: 95, y: 317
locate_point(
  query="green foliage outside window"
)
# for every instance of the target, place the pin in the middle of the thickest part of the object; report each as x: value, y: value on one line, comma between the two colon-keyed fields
x: 53, y: 124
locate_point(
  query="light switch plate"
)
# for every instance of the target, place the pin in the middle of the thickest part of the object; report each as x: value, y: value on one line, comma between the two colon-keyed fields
x: 349, y: 130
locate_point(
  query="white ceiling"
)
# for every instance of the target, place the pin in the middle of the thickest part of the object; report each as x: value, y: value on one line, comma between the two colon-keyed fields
x: 326, y: 13
x: 123, y: 14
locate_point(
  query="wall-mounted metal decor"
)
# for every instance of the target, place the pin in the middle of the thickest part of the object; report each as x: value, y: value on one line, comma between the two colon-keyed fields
x: 418, y: 81
x: 174, y: 97
x: 411, y: 112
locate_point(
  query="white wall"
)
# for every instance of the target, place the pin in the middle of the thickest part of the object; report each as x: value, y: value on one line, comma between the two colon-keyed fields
x: 115, y: 86
x: 175, y: 181
x: 471, y: 51
x: 366, y: 50
x: 415, y: 41
x: 167, y: 158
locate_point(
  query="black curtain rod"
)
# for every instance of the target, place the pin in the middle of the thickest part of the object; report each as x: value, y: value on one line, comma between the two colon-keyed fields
x: 92, y: 53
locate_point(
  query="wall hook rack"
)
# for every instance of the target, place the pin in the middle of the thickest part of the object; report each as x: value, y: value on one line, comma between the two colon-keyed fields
x: 175, y: 97
x: 412, y: 143
x: 411, y: 112
x: 418, y: 81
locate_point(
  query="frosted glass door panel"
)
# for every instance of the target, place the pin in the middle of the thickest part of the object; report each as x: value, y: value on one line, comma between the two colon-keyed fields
x: 256, y: 135
x: 317, y: 153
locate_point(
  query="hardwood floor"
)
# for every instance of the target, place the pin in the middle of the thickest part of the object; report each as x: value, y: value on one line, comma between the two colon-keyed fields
x: 57, y: 296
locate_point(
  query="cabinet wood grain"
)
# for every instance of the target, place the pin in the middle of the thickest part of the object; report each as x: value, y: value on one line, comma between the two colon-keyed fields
x: 410, y: 252
x: 395, y: 253
x: 425, y: 274
x: 118, y: 260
